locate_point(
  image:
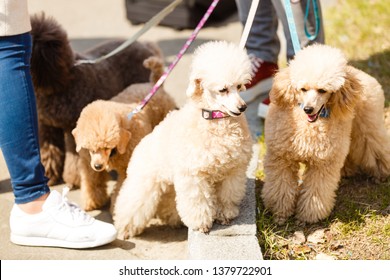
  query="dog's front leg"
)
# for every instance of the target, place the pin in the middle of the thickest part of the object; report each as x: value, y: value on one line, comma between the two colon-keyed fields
x: 280, y: 188
x: 93, y: 186
x: 71, y: 172
x: 317, y: 197
x: 230, y: 194
x: 196, y: 200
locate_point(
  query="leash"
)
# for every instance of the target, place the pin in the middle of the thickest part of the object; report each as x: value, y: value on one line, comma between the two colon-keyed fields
x: 152, y: 22
x: 291, y: 23
x: 312, y: 37
x: 248, y: 23
x: 291, y: 26
x: 175, y: 61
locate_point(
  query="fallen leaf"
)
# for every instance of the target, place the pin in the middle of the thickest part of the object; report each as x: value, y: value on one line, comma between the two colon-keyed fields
x: 317, y: 236
x: 301, y: 249
x: 298, y: 238
x: 336, y: 245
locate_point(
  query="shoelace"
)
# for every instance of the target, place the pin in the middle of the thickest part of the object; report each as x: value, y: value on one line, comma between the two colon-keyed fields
x: 75, y: 211
x: 256, y: 62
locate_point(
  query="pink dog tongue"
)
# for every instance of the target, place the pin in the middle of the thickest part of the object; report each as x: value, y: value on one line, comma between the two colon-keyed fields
x: 312, y: 118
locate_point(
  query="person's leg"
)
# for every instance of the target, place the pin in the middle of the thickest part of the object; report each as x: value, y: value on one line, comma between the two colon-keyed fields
x: 263, y: 40
x: 39, y: 217
x: 262, y: 45
x: 299, y: 9
x: 18, y: 120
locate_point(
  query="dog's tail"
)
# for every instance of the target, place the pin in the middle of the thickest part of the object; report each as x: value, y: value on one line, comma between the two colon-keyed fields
x: 156, y: 66
x: 52, y: 57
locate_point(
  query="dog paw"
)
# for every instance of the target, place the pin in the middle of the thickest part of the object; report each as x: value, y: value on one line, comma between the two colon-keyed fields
x: 204, y: 229
x: 223, y: 221
x: 280, y: 220
x: 93, y: 204
x: 129, y: 232
x: 300, y: 223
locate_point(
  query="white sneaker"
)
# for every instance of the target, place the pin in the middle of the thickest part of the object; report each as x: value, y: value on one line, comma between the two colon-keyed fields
x: 262, y: 110
x: 60, y: 224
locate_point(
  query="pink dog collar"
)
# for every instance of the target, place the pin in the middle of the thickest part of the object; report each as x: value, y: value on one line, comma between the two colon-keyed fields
x: 213, y: 114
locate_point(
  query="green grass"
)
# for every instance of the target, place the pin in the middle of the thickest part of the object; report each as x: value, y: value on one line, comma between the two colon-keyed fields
x: 360, y: 29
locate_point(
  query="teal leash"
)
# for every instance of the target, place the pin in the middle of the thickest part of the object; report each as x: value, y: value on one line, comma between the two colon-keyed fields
x: 291, y: 23
x: 312, y: 37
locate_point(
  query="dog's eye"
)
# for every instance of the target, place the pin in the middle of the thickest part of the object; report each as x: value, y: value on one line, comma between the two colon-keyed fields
x: 239, y: 86
x: 321, y: 91
x: 303, y: 89
x: 223, y: 90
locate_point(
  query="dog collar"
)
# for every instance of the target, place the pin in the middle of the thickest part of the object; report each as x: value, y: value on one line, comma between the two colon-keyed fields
x: 213, y: 114
x: 325, y: 113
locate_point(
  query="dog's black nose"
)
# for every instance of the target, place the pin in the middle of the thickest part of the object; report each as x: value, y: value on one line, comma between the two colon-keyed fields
x: 243, y: 108
x: 308, y: 109
x: 98, y: 166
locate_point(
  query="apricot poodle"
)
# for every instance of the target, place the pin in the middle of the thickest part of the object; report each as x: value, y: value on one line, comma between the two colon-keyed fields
x: 63, y: 89
x: 329, y: 116
x: 192, y: 167
x: 105, y: 137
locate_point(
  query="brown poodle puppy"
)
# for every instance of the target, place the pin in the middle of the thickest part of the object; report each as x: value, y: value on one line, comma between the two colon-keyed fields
x: 106, y: 138
x: 63, y: 89
x: 328, y: 116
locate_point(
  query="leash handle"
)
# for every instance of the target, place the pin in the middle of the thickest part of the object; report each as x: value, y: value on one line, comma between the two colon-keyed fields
x: 175, y: 61
x: 312, y: 37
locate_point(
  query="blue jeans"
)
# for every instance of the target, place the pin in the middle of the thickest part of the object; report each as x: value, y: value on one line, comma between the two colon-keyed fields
x: 18, y: 120
x: 263, y: 40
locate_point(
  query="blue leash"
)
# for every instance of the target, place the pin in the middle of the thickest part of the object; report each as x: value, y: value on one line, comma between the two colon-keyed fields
x: 291, y: 23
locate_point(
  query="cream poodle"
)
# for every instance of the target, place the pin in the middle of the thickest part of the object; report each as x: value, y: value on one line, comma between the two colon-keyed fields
x: 105, y: 137
x: 328, y: 116
x: 199, y: 153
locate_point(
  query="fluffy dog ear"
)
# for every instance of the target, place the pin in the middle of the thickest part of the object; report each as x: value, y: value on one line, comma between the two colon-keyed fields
x: 124, y: 137
x: 194, y: 88
x: 343, y: 101
x: 76, y: 139
x: 282, y: 93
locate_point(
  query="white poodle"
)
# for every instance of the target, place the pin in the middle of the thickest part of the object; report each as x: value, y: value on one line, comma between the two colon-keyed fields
x: 195, y: 160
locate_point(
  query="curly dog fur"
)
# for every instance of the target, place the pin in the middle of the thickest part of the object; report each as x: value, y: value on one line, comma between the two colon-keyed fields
x: 105, y: 138
x: 329, y: 116
x: 63, y: 89
x: 200, y: 162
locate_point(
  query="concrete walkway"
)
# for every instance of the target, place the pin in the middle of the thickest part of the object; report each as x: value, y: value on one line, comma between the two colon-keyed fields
x: 87, y: 23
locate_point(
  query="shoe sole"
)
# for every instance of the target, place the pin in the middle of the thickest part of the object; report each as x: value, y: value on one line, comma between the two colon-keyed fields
x: 48, y: 242
x: 261, y: 88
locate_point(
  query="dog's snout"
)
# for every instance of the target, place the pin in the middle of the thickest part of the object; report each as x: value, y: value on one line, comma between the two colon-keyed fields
x: 242, y: 108
x: 308, y: 109
x: 98, y: 167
